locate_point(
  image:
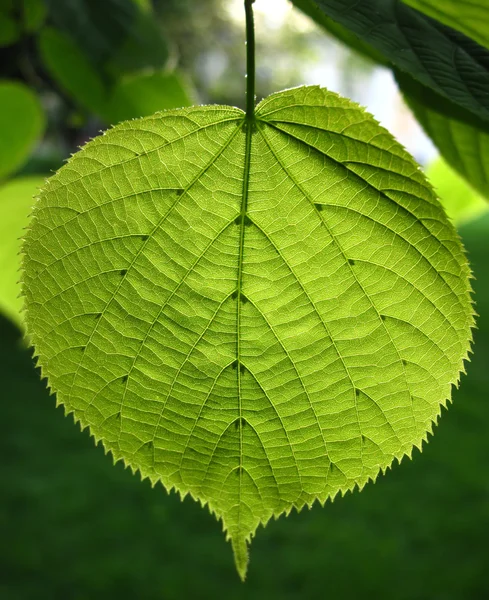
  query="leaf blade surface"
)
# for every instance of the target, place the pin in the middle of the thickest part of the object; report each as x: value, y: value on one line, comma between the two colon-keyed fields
x: 260, y: 315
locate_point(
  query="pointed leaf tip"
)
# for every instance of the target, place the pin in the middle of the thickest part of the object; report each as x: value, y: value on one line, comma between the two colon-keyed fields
x: 241, y: 556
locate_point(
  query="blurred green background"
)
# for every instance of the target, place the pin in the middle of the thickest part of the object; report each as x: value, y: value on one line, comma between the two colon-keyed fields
x: 73, y: 526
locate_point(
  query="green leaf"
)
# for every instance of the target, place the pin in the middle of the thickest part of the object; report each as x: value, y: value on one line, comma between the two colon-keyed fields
x: 16, y: 200
x: 419, y: 46
x: 35, y: 12
x: 309, y: 8
x: 23, y: 16
x: 70, y: 68
x: 21, y: 124
x: 98, y: 28
x: 462, y: 202
x: 119, y: 36
x: 468, y: 16
x: 143, y: 48
x: 462, y: 138
x: 10, y: 30
x: 143, y: 94
x: 259, y: 315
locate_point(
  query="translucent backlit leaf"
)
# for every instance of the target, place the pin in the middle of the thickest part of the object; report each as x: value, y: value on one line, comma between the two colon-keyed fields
x: 260, y: 314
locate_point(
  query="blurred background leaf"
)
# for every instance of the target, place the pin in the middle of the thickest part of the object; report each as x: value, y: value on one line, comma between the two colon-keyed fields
x: 143, y: 48
x: 98, y: 28
x: 10, y: 29
x: 21, y: 124
x: 16, y: 200
x: 71, y: 70
x: 461, y: 201
x: 34, y: 14
x: 146, y: 93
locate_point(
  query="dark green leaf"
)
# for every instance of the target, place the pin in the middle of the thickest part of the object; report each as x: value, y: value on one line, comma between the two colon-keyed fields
x: 70, y: 68
x: 338, y: 31
x: 97, y: 26
x: 437, y: 56
x: 34, y: 14
x: 143, y: 48
x: 9, y: 29
x: 468, y: 16
x: 461, y: 137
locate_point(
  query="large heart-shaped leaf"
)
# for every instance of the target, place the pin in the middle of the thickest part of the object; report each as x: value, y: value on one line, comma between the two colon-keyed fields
x: 437, y: 56
x: 260, y: 313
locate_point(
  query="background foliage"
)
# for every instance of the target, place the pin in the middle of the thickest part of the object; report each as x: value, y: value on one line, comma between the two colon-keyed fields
x: 72, y: 526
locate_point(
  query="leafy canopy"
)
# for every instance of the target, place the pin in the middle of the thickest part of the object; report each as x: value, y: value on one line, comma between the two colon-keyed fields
x: 258, y: 312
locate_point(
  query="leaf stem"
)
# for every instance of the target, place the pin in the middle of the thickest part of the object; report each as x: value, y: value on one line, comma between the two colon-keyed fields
x: 250, y: 61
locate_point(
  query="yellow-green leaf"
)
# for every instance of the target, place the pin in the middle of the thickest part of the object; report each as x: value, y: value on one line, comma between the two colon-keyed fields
x: 460, y: 200
x: 259, y: 313
x: 16, y: 200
